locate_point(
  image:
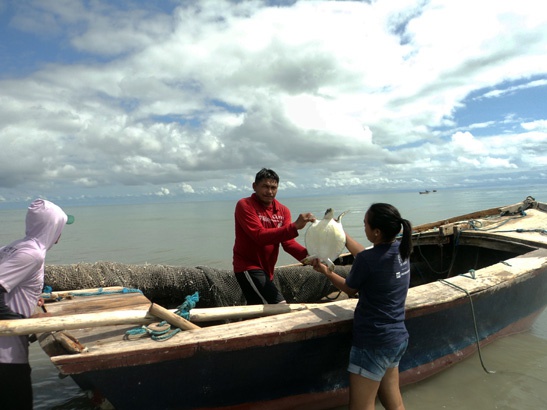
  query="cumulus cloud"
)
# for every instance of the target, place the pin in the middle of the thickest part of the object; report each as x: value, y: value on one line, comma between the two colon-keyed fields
x: 187, y: 188
x: 163, y: 192
x: 465, y: 141
x: 195, y: 98
x: 539, y: 125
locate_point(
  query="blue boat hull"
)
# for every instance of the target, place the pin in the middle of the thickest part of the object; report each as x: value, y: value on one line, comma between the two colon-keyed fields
x: 311, y: 373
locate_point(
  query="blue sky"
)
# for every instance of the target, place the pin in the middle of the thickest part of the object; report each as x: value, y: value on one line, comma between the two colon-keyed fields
x: 181, y: 100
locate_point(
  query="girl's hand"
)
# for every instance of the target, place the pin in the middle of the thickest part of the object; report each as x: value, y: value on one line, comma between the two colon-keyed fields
x: 320, y: 267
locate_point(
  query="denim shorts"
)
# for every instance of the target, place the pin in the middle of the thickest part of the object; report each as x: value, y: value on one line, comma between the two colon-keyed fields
x: 372, y: 363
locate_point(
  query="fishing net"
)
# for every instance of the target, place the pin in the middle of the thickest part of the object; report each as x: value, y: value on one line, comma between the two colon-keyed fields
x: 169, y: 285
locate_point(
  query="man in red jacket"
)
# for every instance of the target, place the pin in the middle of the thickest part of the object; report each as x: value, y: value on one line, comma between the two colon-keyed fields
x: 262, y: 223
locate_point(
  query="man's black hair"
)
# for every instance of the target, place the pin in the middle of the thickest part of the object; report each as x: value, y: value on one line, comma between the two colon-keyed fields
x: 265, y: 173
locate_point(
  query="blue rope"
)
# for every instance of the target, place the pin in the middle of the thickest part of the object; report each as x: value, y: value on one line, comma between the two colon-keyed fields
x: 164, y: 334
x: 101, y: 291
x: 48, y: 290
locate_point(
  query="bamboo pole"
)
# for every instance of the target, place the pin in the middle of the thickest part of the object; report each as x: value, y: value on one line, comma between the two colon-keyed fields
x: 244, y: 312
x: 171, y: 318
x: 29, y: 326
x: 19, y: 327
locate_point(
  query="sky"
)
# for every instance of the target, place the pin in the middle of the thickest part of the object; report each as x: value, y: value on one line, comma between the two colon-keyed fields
x: 186, y: 100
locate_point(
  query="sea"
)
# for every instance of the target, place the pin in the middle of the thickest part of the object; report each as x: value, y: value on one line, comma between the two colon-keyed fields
x: 202, y: 234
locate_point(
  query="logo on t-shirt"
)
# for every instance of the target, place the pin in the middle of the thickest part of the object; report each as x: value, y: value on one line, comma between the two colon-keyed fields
x: 278, y: 220
x: 405, y: 266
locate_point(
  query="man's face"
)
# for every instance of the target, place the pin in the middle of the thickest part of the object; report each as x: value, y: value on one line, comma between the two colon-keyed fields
x: 266, y: 190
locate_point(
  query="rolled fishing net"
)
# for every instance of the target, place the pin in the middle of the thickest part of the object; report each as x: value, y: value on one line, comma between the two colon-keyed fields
x: 169, y: 285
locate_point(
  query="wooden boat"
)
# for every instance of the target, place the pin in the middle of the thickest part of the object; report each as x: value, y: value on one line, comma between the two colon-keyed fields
x: 475, y: 278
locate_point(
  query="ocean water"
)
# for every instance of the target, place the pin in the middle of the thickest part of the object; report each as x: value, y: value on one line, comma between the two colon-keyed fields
x: 202, y: 233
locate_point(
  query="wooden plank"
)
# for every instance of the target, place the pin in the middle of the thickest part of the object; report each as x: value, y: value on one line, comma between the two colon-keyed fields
x: 102, y: 303
x: 320, y: 319
x: 472, y: 215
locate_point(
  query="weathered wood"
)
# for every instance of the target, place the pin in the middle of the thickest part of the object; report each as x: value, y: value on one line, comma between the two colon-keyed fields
x: 99, y: 303
x: 244, y: 312
x: 65, y: 293
x: 171, y: 318
x: 472, y: 215
x: 140, y: 317
x: 68, y: 322
x: 238, y: 334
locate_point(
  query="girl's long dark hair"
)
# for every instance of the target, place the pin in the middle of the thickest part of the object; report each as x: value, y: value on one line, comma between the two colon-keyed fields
x: 387, y: 219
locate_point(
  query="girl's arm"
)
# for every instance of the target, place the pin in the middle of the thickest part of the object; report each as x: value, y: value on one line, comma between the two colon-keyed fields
x: 335, y: 278
x: 353, y: 246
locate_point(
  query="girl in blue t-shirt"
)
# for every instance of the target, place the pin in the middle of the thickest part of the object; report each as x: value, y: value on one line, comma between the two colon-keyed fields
x: 381, y: 276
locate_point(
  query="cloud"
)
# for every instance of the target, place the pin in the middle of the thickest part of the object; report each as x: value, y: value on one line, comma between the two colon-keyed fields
x: 163, y: 192
x: 539, y: 125
x: 195, y: 98
x: 464, y: 141
x: 187, y: 189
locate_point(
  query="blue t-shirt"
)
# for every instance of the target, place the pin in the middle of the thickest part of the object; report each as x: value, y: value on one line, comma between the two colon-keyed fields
x: 382, y: 279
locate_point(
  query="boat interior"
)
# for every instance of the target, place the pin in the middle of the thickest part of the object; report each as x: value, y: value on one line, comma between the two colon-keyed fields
x: 440, y: 258
x: 447, y: 249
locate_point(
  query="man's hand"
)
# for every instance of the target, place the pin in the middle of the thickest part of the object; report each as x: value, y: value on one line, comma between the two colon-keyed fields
x: 303, y: 219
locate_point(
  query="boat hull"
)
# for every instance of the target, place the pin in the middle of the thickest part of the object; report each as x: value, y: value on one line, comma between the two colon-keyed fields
x: 311, y: 372
x: 442, y: 338
x: 497, y: 286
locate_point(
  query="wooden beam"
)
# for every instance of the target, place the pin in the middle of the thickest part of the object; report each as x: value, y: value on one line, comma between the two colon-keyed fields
x: 19, y: 327
x: 472, y: 215
x: 171, y: 317
x: 245, y: 312
x: 85, y: 320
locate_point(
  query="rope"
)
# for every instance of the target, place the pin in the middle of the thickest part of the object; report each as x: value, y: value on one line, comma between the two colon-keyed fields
x: 101, y: 291
x: 520, y: 230
x: 166, y: 332
x: 334, y: 297
x: 425, y: 259
x: 477, y: 225
x: 474, y: 319
x: 48, y: 291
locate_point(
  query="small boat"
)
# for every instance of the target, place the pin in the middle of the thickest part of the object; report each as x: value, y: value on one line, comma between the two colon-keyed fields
x: 424, y: 192
x: 474, y: 279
